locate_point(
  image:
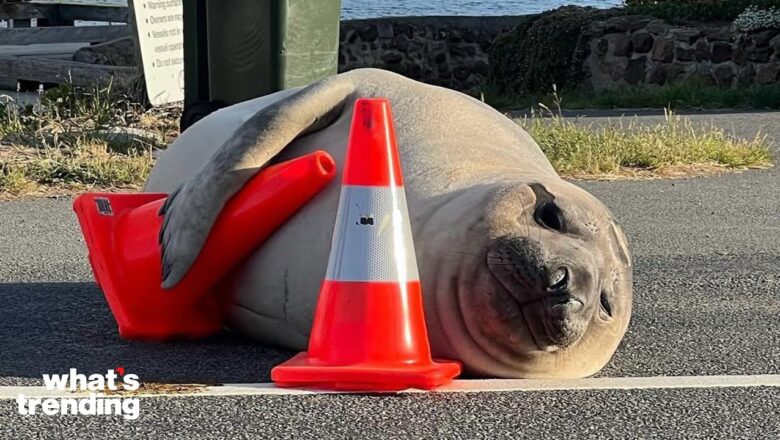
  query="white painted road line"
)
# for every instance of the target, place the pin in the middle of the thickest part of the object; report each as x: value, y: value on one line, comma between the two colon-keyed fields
x: 458, y: 386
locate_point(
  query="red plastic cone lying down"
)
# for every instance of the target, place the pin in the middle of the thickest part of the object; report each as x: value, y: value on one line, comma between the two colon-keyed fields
x: 121, y: 232
x: 369, y: 327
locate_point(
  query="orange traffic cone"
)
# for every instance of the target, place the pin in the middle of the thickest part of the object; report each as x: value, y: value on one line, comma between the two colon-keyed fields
x: 121, y: 232
x: 369, y: 328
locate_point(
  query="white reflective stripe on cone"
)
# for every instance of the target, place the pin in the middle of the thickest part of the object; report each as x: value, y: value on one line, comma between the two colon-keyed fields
x: 372, y: 238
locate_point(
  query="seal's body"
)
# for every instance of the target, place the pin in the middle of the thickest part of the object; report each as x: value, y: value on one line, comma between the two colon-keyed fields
x: 524, y: 274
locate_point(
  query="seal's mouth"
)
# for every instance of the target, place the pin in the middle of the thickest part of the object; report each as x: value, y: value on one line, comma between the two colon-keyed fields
x: 541, y: 337
x: 548, y: 312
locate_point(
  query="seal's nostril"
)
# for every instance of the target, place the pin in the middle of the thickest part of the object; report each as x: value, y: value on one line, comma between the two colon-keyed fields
x: 560, y: 279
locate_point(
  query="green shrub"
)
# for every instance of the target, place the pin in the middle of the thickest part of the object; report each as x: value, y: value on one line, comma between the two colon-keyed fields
x: 696, y: 10
x: 684, y: 95
x: 542, y: 51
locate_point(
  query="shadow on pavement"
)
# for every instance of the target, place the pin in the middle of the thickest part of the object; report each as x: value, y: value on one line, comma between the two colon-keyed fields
x: 48, y: 328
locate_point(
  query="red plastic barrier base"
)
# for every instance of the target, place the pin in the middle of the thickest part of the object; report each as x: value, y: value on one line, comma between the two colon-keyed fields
x: 163, y: 317
x: 121, y: 232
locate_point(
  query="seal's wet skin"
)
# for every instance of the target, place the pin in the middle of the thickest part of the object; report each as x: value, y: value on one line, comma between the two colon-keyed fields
x: 524, y: 274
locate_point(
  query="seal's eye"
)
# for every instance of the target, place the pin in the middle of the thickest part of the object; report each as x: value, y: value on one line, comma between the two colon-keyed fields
x: 550, y: 216
x: 605, y: 307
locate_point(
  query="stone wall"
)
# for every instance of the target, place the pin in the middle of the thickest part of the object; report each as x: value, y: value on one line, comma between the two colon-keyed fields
x: 633, y: 50
x: 620, y: 51
x: 446, y: 51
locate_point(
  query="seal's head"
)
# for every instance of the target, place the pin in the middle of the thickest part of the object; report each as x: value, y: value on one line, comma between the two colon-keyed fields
x: 541, y: 286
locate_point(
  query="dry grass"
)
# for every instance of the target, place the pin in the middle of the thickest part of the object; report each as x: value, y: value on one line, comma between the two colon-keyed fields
x: 76, y: 140
x: 627, y: 149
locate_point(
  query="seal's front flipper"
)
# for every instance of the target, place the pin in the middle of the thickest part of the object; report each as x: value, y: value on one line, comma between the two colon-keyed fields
x: 190, y: 215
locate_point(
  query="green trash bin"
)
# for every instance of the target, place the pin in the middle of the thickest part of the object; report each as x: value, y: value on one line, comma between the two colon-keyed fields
x: 235, y: 50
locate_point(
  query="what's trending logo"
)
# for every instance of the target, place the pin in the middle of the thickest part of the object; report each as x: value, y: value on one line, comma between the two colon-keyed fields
x: 94, y: 404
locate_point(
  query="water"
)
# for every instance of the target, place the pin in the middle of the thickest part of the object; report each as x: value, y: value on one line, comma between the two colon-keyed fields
x: 384, y: 8
x: 351, y: 9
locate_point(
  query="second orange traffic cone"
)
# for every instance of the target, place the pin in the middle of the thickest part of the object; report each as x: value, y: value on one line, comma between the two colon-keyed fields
x: 369, y: 328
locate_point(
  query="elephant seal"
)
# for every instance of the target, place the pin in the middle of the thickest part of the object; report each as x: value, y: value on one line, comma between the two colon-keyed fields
x: 523, y: 274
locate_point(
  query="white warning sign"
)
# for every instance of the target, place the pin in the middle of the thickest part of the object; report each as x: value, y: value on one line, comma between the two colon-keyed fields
x: 159, y: 24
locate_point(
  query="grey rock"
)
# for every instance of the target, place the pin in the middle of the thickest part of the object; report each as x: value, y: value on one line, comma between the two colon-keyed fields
x: 664, y: 50
x: 616, y: 25
x: 348, y: 35
x: 469, y: 36
x: 461, y: 73
x: 721, y: 52
x: 602, y: 46
x: 686, y: 35
x: 702, y: 50
x: 458, y: 51
x: 658, y: 27
x: 414, y: 71
x: 119, y: 52
x: 685, y: 53
x: 595, y: 29
x: 642, y: 42
x: 724, y: 74
x: 622, y: 46
x: 481, y: 68
x: 444, y: 72
x: 455, y: 38
x: 384, y: 30
x: 745, y: 75
x: 678, y: 71
x: 657, y: 75
x: 762, y: 38
x: 739, y: 57
x: 368, y: 33
x: 760, y: 55
x: 401, y: 42
x: 775, y: 43
x: 636, y: 70
x: 718, y: 33
x: 702, y: 74
x: 616, y: 69
x: 392, y: 57
x: 636, y: 22
x: 767, y: 74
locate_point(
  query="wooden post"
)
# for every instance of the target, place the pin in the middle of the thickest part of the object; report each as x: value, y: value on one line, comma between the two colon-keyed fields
x: 43, y: 70
x: 62, y: 34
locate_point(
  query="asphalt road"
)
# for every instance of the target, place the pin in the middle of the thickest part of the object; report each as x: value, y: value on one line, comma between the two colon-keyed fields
x: 707, y: 301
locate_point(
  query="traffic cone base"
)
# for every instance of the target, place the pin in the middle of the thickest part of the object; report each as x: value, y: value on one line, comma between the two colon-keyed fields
x: 121, y: 232
x: 389, y: 351
x: 302, y: 371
